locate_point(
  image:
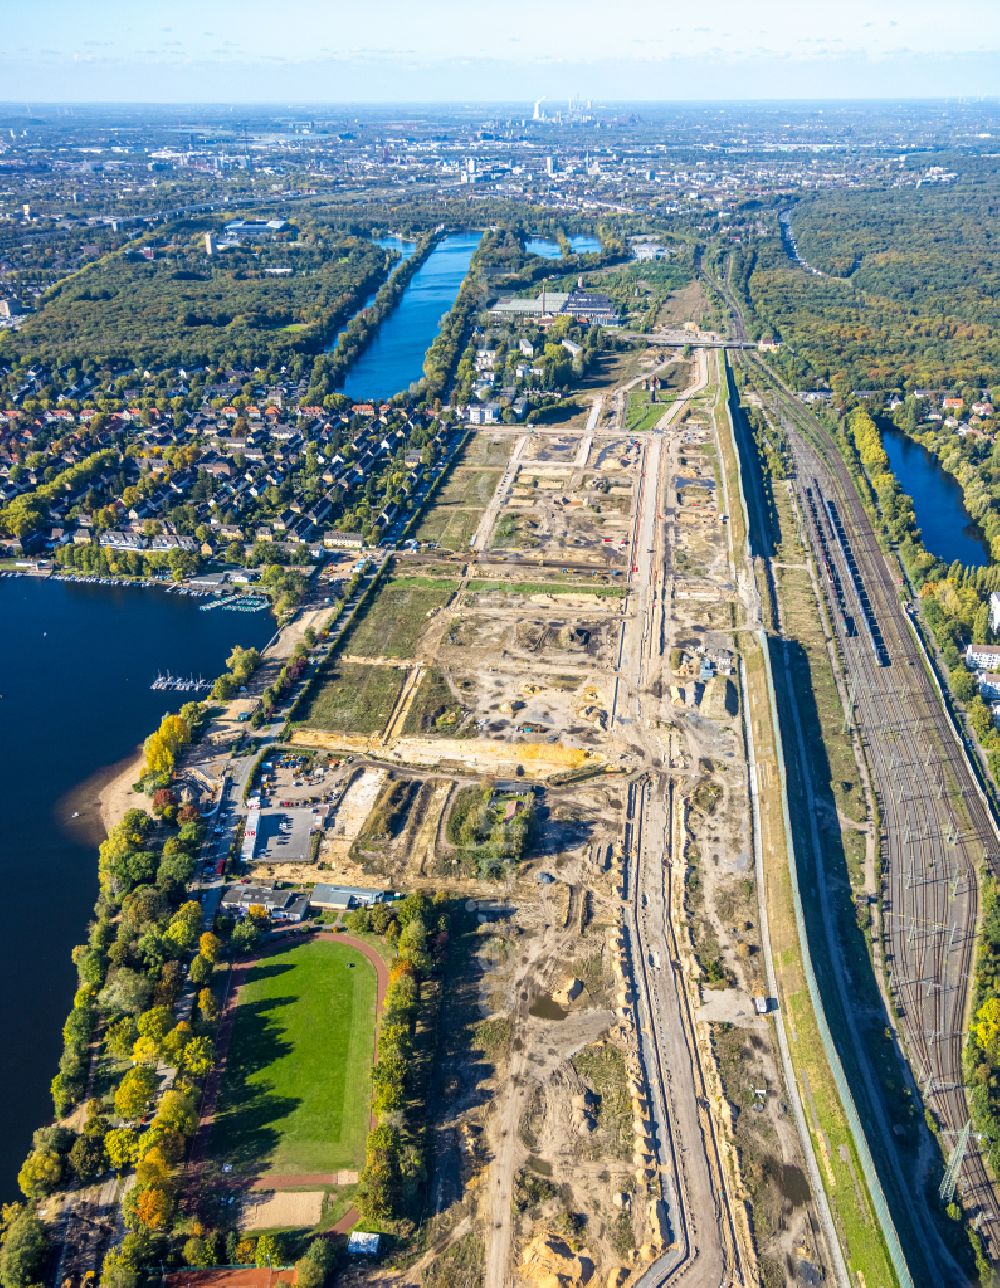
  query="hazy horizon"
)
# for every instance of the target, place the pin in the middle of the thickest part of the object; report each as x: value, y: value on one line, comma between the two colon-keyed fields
x: 446, y: 51
x: 554, y: 104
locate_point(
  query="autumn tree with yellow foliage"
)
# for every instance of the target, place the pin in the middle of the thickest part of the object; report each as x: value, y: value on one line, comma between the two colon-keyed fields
x: 163, y: 745
x: 983, y: 1049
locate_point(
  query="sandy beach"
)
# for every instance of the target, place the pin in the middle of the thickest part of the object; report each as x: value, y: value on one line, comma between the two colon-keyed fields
x: 116, y: 796
x: 92, y: 809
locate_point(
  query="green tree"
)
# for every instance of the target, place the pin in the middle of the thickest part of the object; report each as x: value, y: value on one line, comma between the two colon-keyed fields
x: 122, y: 1147
x: 269, y: 1251
x: 182, y: 930
x: 135, y: 1092
x: 120, y: 1036
x: 22, y: 1256
x: 40, y: 1173
x: 208, y: 1007
x: 245, y: 936
x: 199, y: 1055
x: 87, y: 1157
x: 315, y: 1269
x: 177, y: 1112
x: 127, y: 991
x: 197, y: 1251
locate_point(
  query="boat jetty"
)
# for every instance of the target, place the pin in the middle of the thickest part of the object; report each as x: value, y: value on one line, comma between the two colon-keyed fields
x: 237, y: 604
x: 179, y: 684
x: 233, y: 603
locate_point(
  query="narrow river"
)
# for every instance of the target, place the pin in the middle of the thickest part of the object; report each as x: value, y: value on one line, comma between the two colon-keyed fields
x: 548, y: 248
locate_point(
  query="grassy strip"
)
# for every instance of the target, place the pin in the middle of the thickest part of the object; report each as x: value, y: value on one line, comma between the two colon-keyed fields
x: 354, y: 698
x: 394, y: 621
x: 830, y: 1132
x: 833, y: 1143
x: 546, y: 588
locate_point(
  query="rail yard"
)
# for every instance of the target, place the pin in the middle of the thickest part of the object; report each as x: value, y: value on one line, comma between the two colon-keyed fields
x: 936, y: 832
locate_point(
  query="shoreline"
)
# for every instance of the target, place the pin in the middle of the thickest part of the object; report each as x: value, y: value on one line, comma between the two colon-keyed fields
x: 91, y: 809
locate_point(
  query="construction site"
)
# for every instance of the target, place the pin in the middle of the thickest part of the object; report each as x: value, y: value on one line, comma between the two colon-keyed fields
x: 548, y: 722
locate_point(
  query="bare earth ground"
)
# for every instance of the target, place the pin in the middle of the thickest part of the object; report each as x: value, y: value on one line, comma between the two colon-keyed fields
x: 546, y: 1167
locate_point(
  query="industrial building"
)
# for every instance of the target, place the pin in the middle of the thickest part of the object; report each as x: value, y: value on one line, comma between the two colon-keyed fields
x: 583, y: 306
x: 335, y: 898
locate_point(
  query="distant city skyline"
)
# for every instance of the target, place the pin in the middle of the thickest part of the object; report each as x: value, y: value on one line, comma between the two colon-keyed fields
x: 449, y: 51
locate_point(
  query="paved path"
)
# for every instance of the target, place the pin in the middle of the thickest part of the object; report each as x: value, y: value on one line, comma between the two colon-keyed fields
x: 505, y: 482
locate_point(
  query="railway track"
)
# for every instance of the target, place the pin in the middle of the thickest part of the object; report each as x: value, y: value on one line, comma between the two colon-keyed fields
x: 936, y: 828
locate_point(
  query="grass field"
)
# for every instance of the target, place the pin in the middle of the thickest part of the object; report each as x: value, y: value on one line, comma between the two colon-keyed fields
x: 397, y: 617
x: 641, y: 413
x: 487, y: 448
x: 451, y: 526
x: 469, y: 485
x: 453, y: 518
x: 296, y: 1090
x: 482, y: 584
x: 435, y: 709
x: 355, y: 699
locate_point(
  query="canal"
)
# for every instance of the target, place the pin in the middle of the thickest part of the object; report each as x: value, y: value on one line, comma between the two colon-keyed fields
x: 395, y: 357
x: 949, y: 531
x: 405, y: 249
x: 76, y: 663
x: 548, y: 248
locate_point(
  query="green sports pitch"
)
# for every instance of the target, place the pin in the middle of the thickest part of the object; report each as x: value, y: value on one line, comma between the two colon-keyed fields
x: 296, y: 1087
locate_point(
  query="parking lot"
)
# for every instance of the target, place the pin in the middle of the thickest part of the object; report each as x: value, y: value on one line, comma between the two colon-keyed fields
x: 284, y: 836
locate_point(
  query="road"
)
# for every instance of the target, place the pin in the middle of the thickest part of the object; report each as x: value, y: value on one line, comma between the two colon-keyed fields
x: 500, y: 494
x: 680, y: 339
x: 699, y: 1222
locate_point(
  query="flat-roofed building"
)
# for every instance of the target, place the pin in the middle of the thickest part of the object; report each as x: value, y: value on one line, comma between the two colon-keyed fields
x: 337, y: 898
x: 984, y: 657
x: 549, y: 303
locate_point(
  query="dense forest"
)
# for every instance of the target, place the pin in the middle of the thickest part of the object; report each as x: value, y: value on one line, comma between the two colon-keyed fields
x: 907, y: 292
x: 255, y: 305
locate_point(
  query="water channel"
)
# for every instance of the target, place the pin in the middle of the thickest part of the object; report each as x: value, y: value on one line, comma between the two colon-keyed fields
x: 76, y: 663
x: 548, y: 248
x: 405, y: 249
x: 395, y: 357
x: 949, y: 531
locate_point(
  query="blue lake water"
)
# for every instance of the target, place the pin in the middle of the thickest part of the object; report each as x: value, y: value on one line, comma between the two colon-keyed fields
x: 405, y: 249
x: 76, y: 663
x: 581, y: 244
x: 395, y: 357
x: 400, y: 244
x: 949, y: 531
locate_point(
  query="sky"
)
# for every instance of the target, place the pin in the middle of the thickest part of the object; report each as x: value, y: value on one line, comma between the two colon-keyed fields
x: 330, y: 51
